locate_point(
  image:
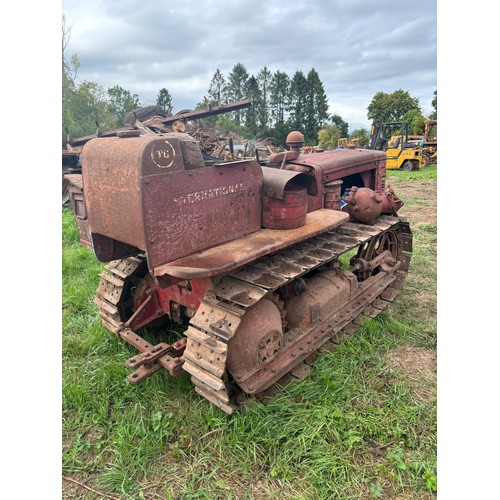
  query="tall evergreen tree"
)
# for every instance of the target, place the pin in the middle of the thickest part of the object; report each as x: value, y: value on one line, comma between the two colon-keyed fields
x: 320, y: 98
x: 264, y: 77
x: 237, y: 86
x: 164, y: 99
x: 278, y: 103
x: 252, y: 115
x: 217, y: 90
x: 299, y: 96
x: 316, y: 106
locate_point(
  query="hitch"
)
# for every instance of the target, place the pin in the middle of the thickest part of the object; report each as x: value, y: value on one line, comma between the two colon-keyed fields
x: 152, y: 358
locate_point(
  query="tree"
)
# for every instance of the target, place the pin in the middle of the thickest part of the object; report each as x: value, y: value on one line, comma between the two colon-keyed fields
x: 164, y: 99
x: 237, y: 86
x: 300, y: 98
x: 391, y: 107
x: 316, y: 107
x: 253, y: 93
x: 224, y: 121
x: 433, y: 115
x: 121, y: 102
x: 92, y: 108
x: 264, y: 77
x: 328, y: 136
x: 68, y: 88
x: 379, y: 107
x: 278, y: 104
x: 402, y: 102
x: 67, y: 82
x: 217, y: 90
x: 66, y: 35
x: 415, y: 121
x: 361, y: 134
x: 341, y: 124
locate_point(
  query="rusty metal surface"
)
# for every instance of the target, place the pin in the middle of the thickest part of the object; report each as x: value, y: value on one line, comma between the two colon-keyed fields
x: 208, y: 350
x: 250, y: 328
x: 364, y: 205
x: 78, y: 206
x: 331, y: 161
x: 204, y: 113
x: 332, y: 165
x: 188, y: 212
x: 390, y: 202
x: 286, y: 213
x: 75, y: 179
x: 236, y: 253
x: 314, y: 338
x: 263, y: 356
x: 188, y: 294
x: 114, y: 284
x: 111, y: 174
x: 139, y: 194
x: 332, y: 191
x: 260, y: 338
x: 276, y: 180
x: 152, y: 357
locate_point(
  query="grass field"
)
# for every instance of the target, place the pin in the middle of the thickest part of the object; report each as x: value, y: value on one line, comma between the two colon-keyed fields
x: 361, y: 425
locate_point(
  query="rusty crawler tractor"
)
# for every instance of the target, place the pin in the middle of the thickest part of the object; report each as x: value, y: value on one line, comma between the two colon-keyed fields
x: 259, y: 262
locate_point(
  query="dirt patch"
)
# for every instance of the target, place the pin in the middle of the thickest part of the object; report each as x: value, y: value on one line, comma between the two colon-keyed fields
x: 420, y: 198
x: 417, y: 367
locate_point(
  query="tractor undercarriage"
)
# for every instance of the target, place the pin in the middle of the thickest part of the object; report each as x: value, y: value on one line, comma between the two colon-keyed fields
x: 259, y: 326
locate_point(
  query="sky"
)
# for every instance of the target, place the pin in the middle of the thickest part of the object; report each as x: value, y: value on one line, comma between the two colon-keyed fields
x: 358, y: 47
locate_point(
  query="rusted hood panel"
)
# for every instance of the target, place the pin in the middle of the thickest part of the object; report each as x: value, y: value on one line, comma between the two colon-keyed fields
x: 331, y: 161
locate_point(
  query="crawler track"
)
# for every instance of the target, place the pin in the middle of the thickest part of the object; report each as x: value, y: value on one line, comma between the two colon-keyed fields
x: 222, y: 310
x: 220, y: 314
x: 113, y: 294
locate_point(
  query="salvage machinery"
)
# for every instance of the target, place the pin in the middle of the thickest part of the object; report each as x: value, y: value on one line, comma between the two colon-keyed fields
x: 264, y: 265
x: 392, y: 137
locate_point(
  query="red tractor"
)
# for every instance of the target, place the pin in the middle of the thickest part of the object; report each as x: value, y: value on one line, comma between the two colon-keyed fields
x: 263, y: 264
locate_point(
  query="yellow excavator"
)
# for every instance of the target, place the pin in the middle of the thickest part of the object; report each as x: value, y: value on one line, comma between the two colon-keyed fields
x: 392, y: 137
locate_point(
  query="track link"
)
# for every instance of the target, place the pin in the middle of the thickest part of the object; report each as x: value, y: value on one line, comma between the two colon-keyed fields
x: 111, y: 295
x: 222, y: 310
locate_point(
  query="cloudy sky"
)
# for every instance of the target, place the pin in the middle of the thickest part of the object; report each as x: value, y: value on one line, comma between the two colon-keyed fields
x: 358, y: 47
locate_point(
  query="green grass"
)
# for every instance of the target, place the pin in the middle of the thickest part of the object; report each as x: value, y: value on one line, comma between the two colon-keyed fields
x: 428, y: 172
x: 356, y: 427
